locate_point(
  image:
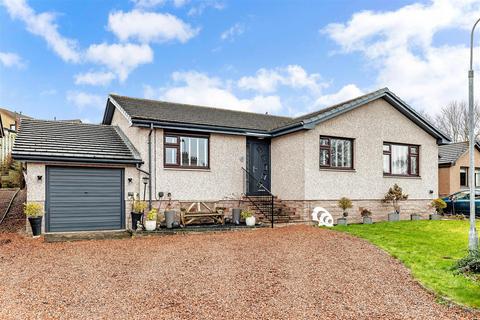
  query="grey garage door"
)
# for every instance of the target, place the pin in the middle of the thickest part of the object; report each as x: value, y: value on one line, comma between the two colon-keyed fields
x: 82, y: 199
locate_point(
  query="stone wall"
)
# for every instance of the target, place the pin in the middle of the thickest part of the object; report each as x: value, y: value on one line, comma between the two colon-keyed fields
x: 378, y: 208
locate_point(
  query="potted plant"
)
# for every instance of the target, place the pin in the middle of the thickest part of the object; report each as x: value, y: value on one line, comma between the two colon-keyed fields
x: 367, y: 216
x: 395, y: 195
x: 137, y: 212
x: 249, y: 218
x: 151, y: 222
x: 34, y: 212
x: 344, y: 204
x: 439, y: 205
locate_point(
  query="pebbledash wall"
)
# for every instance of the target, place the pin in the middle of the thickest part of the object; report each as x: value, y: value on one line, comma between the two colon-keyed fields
x: 296, y: 176
x: 298, y: 180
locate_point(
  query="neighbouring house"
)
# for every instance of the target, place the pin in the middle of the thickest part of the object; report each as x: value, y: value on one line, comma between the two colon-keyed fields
x: 86, y: 174
x: 9, y: 123
x: 453, y: 166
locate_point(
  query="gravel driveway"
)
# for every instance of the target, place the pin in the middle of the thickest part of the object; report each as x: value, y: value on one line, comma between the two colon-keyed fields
x: 294, y: 272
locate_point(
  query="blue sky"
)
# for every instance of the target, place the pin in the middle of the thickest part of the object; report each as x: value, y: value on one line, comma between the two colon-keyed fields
x: 62, y: 58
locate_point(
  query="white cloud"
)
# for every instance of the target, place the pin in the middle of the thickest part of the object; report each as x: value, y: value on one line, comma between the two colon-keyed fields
x: 43, y: 25
x: 202, y: 5
x: 347, y: 92
x: 120, y: 58
x: 149, y: 26
x: 294, y: 76
x: 83, y: 99
x: 156, y: 3
x: 400, y: 46
x: 9, y: 59
x: 94, y: 78
x: 197, y: 88
x: 232, y: 32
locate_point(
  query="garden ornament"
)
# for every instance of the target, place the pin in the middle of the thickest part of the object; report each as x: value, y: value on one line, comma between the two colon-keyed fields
x: 325, y: 218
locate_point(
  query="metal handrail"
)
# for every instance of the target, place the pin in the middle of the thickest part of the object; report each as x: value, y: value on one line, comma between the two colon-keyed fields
x: 268, y: 191
x: 259, y: 182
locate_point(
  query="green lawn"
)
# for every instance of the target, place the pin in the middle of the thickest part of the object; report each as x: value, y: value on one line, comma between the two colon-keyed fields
x: 429, y: 249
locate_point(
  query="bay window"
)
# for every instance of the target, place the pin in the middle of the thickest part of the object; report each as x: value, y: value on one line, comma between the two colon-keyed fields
x: 336, y: 153
x: 401, y: 159
x: 186, y: 151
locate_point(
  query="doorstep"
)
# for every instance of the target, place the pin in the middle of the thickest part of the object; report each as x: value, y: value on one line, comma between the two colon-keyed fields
x: 86, y: 235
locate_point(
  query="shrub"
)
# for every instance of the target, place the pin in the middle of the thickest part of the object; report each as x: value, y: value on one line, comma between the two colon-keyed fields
x: 246, y: 214
x: 469, y: 264
x: 344, y: 204
x: 365, y: 213
x: 395, y: 195
x: 439, y: 205
x: 139, y: 206
x: 152, y: 215
x: 33, y: 210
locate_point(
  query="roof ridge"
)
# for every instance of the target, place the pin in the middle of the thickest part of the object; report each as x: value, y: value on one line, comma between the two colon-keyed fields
x: 383, y: 90
x: 200, y: 106
x: 68, y: 122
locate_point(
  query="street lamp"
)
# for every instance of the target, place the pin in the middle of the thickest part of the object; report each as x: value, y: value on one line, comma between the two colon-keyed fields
x: 472, y: 235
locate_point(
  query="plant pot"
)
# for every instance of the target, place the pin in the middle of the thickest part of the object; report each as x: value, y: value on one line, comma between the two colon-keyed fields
x: 136, y: 217
x: 36, y: 224
x: 169, y: 218
x: 367, y: 220
x: 342, y: 221
x: 236, y: 212
x: 435, y: 216
x: 150, y: 225
x: 415, y: 217
x: 393, y: 216
x: 250, y: 221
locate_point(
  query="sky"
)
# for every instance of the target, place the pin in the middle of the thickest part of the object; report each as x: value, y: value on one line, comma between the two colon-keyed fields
x: 61, y: 59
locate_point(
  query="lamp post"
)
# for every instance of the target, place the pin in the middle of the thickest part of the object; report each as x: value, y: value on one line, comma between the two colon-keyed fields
x: 472, y: 235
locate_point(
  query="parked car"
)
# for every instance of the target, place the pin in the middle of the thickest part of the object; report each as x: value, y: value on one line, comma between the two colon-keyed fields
x: 459, y: 203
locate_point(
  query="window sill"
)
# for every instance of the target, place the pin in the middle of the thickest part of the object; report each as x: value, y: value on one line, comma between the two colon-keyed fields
x: 402, y: 177
x: 338, y: 170
x: 186, y: 169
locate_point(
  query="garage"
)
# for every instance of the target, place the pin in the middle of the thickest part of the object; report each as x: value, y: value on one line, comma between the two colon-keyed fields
x: 84, y: 199
x: 76, y: 172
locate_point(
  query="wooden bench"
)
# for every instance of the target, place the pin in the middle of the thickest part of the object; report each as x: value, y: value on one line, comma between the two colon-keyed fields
x: 197, y: 211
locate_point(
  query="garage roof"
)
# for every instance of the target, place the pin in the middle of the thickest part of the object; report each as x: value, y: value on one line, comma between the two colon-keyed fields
x: 76, y: 142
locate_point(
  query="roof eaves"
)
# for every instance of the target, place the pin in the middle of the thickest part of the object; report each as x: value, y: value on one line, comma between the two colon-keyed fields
x: 128, y: 143
x: 198, y: 127
x: 107, y: 118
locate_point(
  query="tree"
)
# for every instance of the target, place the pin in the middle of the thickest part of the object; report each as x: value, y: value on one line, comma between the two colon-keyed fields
x: 453, y: 120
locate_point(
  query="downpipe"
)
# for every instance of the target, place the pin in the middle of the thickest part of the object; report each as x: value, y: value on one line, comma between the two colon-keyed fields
x: 150, y: 167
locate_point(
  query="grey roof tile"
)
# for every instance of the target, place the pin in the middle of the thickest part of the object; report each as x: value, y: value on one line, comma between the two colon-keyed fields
x: 450, y: 153
x: 40, y: 139
x: 184, y: 113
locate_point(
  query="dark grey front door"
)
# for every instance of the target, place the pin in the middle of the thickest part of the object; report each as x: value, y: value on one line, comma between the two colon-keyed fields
x: 258, y: 157
x: 83, y: 199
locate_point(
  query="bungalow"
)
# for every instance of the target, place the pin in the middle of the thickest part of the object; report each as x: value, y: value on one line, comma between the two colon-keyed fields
x: 85, y: 175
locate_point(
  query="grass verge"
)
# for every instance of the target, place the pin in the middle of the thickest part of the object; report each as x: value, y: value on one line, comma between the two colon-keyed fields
x: 429, y: 249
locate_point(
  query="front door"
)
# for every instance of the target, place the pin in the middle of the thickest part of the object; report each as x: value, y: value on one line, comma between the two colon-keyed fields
x: 258, y: 165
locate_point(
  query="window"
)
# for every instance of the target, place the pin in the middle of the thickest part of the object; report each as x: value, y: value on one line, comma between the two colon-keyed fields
x: 400, y: 159
x: 464, y: 178
x: 336, y: 153
x: 13, y: 127
x: 186, y: 151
